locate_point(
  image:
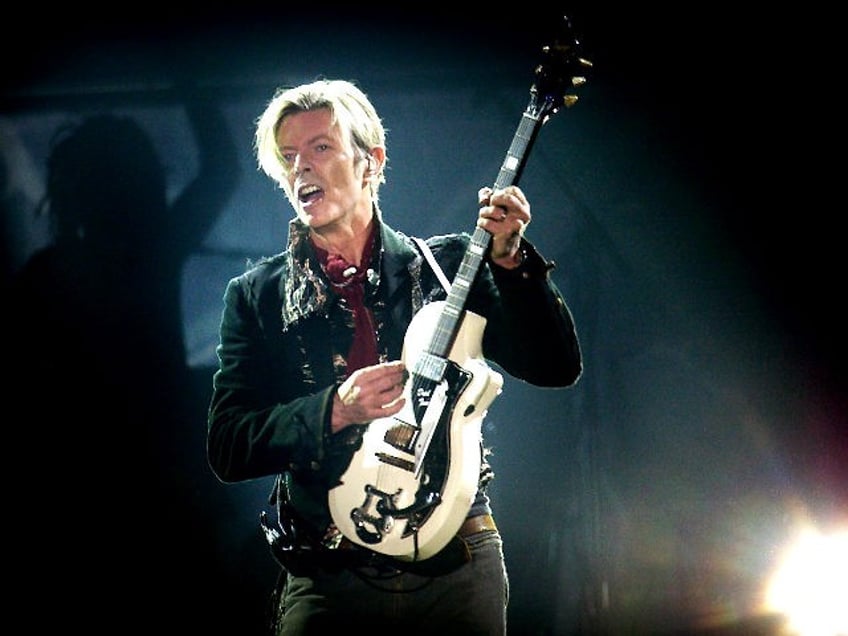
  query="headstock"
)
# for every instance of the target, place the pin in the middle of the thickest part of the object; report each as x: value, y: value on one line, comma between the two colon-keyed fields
x: 561, y: 71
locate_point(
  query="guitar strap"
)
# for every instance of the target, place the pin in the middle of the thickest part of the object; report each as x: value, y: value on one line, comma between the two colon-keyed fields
x: 428, y: 254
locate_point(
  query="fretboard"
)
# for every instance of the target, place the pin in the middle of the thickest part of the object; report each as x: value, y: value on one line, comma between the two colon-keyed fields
x: 510, y: 172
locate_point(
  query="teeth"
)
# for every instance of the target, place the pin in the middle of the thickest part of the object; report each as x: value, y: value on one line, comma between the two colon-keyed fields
x: 307, y: 190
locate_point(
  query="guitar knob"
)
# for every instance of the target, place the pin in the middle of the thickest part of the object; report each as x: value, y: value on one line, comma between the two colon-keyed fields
x: 388, y: 524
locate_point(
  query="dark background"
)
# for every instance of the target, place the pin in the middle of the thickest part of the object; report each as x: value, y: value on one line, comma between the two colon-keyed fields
x: 689, y: 199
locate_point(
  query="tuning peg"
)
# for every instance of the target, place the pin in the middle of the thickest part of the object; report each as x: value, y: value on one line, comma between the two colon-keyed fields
x: 569, y: 100
x: 557, y: 47
x: 584, y: 62
x: 578, y: 81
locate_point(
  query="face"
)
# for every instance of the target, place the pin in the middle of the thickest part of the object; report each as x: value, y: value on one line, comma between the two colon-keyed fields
x: 326, y: 181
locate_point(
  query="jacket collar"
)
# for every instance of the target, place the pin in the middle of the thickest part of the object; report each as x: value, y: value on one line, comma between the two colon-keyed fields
x: 304, y: 288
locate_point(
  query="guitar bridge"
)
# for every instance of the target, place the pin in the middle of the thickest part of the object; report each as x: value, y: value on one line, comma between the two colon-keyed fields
x: 371, y: 529
x: 397, y: 462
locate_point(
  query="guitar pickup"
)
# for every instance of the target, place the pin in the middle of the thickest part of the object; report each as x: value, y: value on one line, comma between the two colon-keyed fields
x: 431, y: 367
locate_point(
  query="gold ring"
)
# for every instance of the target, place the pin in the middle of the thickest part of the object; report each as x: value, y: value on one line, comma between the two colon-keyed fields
x: 351, y: 395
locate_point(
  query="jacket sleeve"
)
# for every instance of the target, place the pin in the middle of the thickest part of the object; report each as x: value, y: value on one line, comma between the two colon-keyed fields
x: 251, y: 431
x: 530, y: 331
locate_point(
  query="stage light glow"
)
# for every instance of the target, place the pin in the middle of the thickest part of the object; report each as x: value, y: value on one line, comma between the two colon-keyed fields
x: 810, y: 585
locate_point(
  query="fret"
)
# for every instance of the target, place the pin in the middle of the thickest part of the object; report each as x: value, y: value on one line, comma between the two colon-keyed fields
x: 452, y: 309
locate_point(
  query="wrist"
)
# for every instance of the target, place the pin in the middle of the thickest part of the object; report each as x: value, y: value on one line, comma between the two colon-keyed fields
x: 511, y: 261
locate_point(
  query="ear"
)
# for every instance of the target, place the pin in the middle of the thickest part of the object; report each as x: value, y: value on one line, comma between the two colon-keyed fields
x: 374, y: 161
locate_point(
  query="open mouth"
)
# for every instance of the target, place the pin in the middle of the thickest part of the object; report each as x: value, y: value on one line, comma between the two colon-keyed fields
x: 308, y: 193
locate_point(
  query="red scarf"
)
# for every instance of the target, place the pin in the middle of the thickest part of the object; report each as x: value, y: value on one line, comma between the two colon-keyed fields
x: 349, y: 282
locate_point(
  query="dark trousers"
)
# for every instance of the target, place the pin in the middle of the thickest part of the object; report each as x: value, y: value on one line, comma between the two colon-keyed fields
x: 471, y: 600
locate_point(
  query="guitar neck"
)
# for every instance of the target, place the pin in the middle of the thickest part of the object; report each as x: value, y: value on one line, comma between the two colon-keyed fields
x: 510, y: 172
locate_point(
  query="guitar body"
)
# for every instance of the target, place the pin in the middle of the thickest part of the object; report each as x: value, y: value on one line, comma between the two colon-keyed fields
x: 391, y: 502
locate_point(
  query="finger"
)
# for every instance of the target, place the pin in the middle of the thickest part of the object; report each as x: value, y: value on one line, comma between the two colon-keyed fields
x: 377, y: 384
x: 385, y: 374
x: 392, y: 407
x: 492, y: 213
x: 375, y: 371
x: 517, y: 194
x: 384, y: 391
x: 483, y: 195
x: 512, y: 191
x: 511, y: 203
x: 494, y: 220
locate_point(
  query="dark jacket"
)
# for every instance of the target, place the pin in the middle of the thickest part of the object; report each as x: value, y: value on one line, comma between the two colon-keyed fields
x: 282, y: 331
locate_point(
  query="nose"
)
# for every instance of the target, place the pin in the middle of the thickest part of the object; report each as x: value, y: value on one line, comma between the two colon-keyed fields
x: 299, y: 165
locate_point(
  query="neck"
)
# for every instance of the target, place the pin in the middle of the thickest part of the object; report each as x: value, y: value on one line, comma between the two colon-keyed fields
x: 348, y: 241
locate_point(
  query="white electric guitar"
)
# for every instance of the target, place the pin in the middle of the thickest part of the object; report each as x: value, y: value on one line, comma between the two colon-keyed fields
x: 412, y: 481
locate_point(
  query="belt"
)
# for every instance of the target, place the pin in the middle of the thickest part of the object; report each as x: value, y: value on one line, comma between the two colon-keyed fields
x: 473, y: 525
x: 349, y: 554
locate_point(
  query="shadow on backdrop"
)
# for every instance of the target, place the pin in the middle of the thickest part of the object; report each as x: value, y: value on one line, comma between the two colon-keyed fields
x: 117, y: 513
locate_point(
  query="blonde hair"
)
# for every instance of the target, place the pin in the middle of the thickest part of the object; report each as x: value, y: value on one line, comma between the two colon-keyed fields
x: 350, y: 108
